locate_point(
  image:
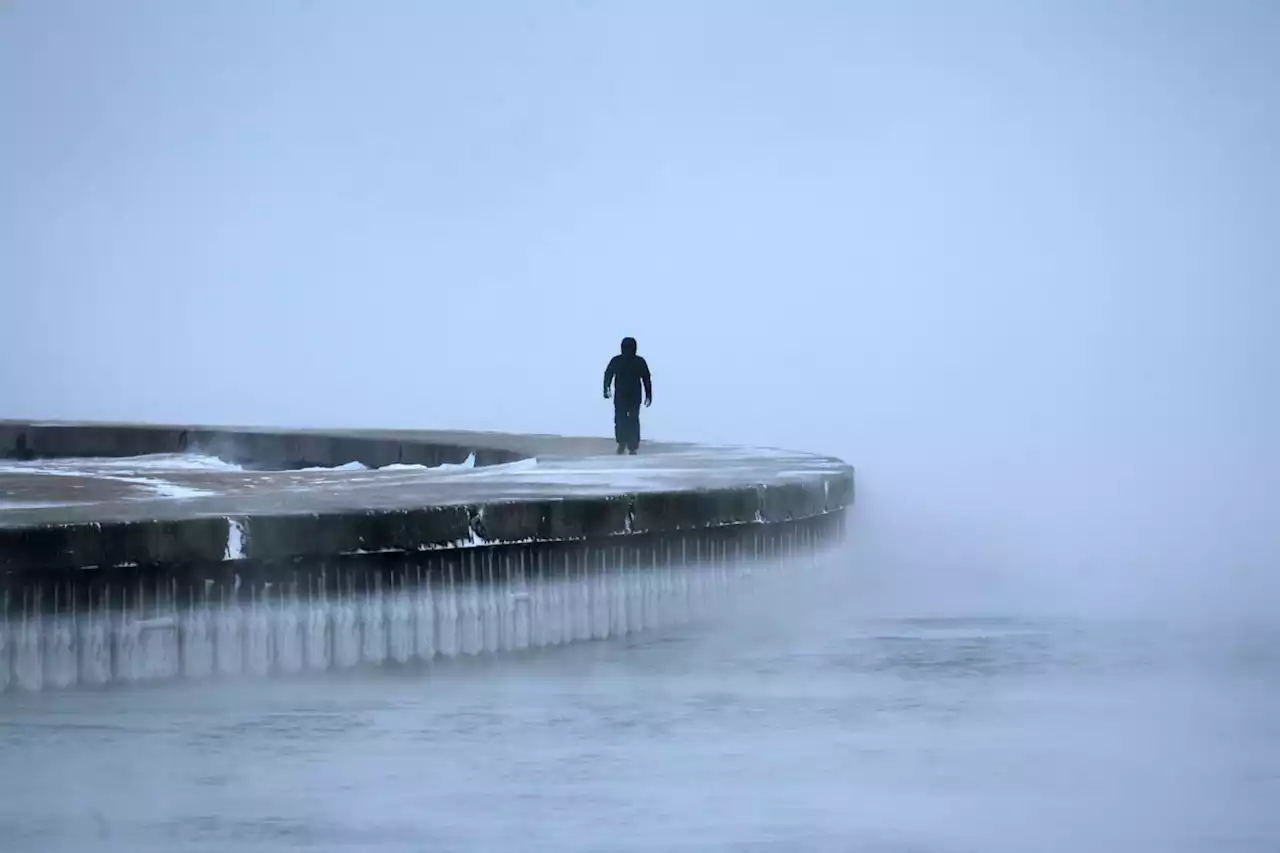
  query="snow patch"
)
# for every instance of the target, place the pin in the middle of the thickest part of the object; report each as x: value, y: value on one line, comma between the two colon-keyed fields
x: 469, y: 462
x: 235, y: 541
x: 349, y: 466
x: 159, y: 488
x: 172, y: 490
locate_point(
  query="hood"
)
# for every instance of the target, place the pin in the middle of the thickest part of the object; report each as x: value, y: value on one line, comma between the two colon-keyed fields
x: 628, y: 346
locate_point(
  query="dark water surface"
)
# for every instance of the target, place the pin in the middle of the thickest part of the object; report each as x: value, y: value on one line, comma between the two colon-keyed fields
x: 806, y: 719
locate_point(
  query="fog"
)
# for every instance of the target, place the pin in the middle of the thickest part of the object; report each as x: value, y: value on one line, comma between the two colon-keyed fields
x: 1016, y: 262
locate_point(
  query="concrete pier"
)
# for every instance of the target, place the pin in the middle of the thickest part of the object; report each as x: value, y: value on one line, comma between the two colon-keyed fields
x: 136, y: 552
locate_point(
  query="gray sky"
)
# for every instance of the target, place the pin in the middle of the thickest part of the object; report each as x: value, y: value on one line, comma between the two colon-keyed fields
x: 1015, y: 261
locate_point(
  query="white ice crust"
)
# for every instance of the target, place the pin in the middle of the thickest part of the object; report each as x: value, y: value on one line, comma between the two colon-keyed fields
x: 181, y: 476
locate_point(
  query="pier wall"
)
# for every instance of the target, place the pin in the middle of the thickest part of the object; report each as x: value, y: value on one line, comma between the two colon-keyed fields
x: 266, y: 570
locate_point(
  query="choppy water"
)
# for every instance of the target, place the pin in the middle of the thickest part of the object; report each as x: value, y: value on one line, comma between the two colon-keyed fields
x: 806, y: 719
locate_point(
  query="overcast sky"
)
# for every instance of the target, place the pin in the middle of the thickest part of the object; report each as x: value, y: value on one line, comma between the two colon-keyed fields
x: 1018, y: 262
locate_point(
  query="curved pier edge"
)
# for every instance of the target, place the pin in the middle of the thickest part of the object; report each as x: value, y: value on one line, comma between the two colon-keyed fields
x: 269, y: 511
x: 114, y: 572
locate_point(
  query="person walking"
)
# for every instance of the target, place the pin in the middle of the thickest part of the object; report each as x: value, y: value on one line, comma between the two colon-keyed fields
x: 628, y: 373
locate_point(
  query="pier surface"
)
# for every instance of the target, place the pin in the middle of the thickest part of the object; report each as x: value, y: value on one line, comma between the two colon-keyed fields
x: 81, y: 495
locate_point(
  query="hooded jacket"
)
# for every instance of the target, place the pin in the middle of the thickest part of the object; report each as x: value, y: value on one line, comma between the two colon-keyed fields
x: 628, y: 373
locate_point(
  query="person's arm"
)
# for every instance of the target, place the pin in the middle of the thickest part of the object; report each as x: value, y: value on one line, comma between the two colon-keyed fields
x: 608, y: 375
x: 648, y: 382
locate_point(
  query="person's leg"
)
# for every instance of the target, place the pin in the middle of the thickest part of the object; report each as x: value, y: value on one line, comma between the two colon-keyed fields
x: 634, y: 444
x: 623, y: 431
x: 631, y: 431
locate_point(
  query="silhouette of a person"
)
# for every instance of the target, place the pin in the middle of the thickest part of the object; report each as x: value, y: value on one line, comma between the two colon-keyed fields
x: 628, y: 373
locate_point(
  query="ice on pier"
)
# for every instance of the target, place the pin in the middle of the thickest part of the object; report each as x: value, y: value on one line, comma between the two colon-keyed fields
x: 268, y: 631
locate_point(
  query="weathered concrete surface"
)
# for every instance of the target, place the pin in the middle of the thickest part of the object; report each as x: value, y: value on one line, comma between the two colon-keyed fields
x: 87, y: 513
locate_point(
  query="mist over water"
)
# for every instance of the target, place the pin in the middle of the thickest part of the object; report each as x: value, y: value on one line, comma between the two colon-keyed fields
x: 1014, y: 261
x: 814, y: 712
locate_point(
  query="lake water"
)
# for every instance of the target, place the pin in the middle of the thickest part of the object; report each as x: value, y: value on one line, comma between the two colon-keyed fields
x: 823, y: 712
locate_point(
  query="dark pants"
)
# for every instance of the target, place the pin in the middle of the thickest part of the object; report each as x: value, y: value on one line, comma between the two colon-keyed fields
x: 626, y: 426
